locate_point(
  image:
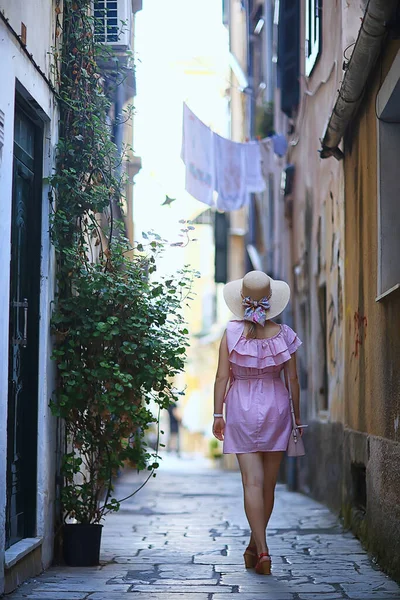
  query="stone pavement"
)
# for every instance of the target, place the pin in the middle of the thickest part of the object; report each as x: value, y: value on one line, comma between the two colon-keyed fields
x: 183, y: 536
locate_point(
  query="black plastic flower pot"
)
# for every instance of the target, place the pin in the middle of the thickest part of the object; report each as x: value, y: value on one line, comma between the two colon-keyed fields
x: 82, y: 545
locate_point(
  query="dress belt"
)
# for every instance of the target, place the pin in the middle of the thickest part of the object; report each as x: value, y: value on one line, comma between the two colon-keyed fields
x: 273, y: 375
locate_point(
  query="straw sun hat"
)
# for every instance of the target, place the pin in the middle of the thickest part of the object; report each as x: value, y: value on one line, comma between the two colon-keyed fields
x: 257, y: 285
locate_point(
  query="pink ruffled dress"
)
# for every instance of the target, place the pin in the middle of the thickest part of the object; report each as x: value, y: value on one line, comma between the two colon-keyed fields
x: 257, y: 403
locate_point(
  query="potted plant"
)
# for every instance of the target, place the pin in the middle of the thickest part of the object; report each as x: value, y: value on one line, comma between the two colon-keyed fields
x: 119, y: 335
x: 120, y: 342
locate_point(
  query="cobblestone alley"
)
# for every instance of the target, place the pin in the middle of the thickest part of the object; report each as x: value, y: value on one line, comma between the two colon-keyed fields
x: 183, y: 536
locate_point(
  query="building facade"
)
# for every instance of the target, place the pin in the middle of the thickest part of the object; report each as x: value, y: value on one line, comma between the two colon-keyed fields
x: 28, y: 433
x: 315, y: 215
x: 328, y: 223
x: 30, y: 446
x: 371, y: 441
x: 339, y: 199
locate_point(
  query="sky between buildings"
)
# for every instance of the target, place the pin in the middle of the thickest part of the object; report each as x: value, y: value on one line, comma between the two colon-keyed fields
x: 181, y: 55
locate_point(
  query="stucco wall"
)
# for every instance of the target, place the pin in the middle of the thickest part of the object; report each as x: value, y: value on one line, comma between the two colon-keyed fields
x: 334, y: 244
x: 318, y: 226
x: 38, y: 16
x: 372, y: 343
x: 238, y: 47
x: 239, y: 131
x: 16, y: 66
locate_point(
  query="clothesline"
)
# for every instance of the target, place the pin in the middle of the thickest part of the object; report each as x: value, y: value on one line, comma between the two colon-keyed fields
x: 233, y: 170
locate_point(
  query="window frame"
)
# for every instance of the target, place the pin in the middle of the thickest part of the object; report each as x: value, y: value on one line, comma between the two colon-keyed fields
x: 313, y: 34
x: 121, y: 31
x: 388, y: 144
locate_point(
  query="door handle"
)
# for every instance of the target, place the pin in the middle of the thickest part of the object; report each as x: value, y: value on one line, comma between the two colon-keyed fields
x: 25, y: 338
x: 25, y: 306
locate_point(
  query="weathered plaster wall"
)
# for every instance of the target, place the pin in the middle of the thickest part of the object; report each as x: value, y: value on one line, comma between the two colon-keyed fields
x: 39, y: 18
x: 372, y: 346
x: 16, y: 66
x: 316, y: 264
x: 318, y: 227
x: 239, y: 131
x: 355, y: 420
x: 238, y: 47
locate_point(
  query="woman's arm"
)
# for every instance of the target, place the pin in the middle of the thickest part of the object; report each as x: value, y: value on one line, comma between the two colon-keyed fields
x: 221, y: 381
x: 294, y: 387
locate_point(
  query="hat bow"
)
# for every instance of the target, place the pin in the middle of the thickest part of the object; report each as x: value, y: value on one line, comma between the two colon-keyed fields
x: 256, y: 310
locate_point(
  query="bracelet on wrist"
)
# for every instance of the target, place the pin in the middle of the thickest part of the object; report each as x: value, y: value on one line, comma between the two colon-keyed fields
x: 215, y: 415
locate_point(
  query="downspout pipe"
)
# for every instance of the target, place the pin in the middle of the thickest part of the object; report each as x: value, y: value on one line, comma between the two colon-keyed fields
x: 268, y: 95
x: 251, y: 105
x: 366, y: 51
x: 118, y: 139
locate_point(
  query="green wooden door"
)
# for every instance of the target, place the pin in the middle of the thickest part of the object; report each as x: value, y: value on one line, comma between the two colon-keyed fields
x: 23, y: 333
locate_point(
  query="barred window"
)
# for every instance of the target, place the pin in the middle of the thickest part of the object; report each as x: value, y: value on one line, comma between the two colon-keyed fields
x: 106, y: 20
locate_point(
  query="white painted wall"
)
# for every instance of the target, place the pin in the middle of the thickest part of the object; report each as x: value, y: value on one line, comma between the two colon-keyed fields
x: 39, y: 18
x: 15, y: 65
x: 46, y: 422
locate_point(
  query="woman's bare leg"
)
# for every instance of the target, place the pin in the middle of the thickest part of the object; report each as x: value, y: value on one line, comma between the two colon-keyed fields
x: 252, y: 469
x: 271, y: 464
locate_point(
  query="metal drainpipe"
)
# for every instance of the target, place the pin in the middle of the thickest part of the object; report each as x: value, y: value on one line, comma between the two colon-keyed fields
x: 269, y: 96
x: 118, y: 137
x: 250, y: 103
x: 366, y: 51
x: 118, y: 116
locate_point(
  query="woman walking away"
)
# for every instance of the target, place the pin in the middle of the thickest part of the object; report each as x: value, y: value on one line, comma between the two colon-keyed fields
x: 257, y: 425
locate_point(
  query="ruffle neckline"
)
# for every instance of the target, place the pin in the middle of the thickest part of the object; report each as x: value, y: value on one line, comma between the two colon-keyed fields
x: 262, y: 339
x: 260, y: 353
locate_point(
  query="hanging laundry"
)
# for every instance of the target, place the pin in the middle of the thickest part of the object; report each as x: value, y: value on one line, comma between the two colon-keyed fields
x: 198, y: 156
x: 254, y: 179
x: 230, y: 174
x: 280, y: 144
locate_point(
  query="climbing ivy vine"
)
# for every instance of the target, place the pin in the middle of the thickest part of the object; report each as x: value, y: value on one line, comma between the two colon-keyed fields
x: 120, y: 338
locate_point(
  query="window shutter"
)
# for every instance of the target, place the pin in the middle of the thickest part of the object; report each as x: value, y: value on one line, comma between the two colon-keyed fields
x: 289, y: 54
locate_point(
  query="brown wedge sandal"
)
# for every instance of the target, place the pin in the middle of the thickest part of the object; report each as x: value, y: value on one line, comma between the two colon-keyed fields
x: 250, y: 557
x: 263, y: 566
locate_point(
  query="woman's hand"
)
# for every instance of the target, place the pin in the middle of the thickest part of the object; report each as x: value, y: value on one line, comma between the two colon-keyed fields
x: 219, y: 428
x: 298, y: 422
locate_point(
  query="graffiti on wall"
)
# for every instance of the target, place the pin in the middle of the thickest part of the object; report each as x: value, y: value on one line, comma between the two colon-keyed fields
x: 332, y: 332
x: 360, y: 331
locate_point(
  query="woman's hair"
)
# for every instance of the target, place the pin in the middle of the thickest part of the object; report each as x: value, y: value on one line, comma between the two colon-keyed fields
x: 252, y: 330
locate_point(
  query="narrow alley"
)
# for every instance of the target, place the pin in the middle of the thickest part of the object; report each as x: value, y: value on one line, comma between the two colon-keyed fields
x: 199, y: 220
x: 183, y: 535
